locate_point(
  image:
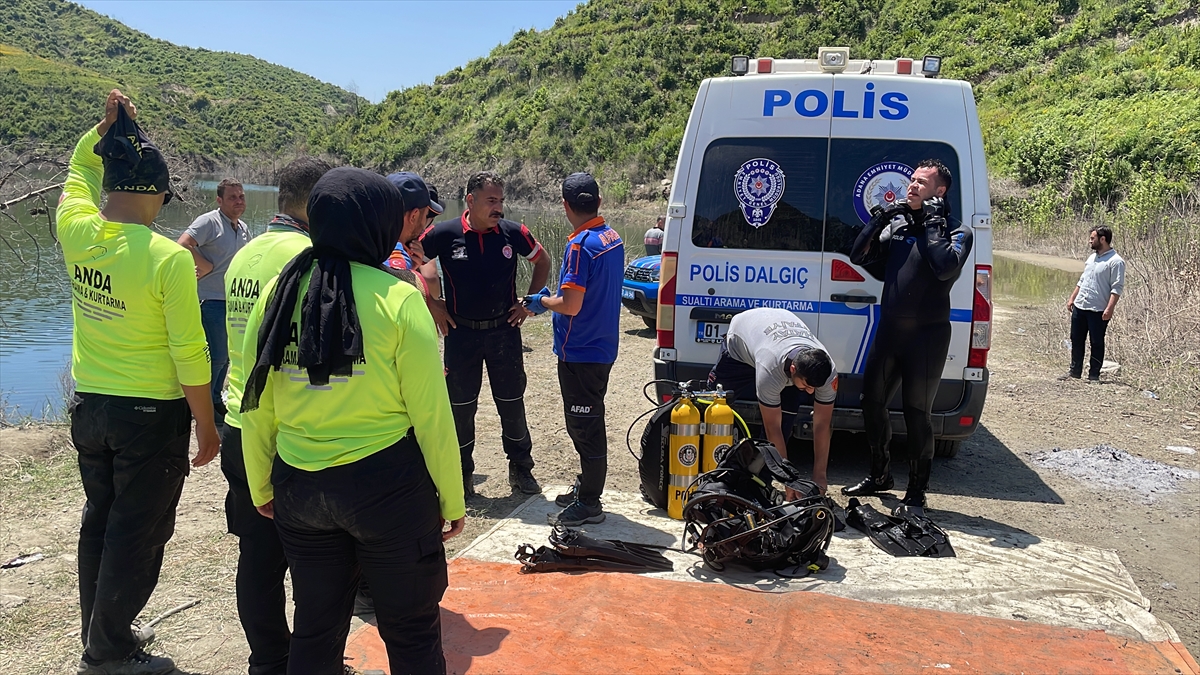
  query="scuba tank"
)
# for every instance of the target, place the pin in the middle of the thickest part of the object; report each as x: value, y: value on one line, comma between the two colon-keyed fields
x: 718, y: 431
x: 684, y: 450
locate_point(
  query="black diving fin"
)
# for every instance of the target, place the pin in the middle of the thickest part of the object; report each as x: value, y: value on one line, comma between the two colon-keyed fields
x: 911, y: 535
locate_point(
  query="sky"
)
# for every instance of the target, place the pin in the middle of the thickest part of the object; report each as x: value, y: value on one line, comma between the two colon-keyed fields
x: 374, y: 46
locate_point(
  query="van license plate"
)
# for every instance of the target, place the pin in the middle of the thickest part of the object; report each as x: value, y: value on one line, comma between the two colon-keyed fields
x: 627, y: 293
x: 712, y: 333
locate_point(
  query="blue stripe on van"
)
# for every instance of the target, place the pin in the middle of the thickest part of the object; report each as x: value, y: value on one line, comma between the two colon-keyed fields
x: 797, y: 306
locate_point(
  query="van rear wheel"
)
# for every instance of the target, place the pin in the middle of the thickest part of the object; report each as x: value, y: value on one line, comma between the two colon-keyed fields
x: 652, y: 324
x: 946, y: 447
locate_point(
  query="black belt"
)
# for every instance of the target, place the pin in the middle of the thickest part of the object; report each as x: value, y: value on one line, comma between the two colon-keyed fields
x: 479, y: 325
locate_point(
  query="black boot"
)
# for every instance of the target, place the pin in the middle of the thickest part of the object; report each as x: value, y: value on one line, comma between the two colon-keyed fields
x: 880, y: 479
x: 869, y: 486
x: 918, y: 482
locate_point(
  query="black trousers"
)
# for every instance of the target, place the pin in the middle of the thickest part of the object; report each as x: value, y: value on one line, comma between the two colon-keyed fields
x: 908, y: 356
x: 133, y: 458
x: 261, y: 596
x: 584, y: 386
x: 467, y: 351
x: 380, y: 516
x: 739, y: 380
x: 1091, y: 325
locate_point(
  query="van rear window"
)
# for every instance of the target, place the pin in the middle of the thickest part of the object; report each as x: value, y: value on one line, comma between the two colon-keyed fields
x: 723, y: 220
x: 863, y: 171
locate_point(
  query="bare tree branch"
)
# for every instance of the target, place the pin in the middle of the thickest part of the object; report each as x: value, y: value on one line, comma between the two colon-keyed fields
x: 35, y: 193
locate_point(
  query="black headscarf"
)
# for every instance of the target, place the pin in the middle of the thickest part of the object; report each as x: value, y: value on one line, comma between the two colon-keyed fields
x: 132, y: 163
x: 354, y: 216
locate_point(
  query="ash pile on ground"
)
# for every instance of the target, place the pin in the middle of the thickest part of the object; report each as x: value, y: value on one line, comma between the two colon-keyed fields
x: 1106, y: 466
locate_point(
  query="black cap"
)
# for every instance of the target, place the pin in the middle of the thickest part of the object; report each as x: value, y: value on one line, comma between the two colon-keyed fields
x: 132, y: 163
x: 435, y: 206
x: 580, y: 189
x: 414, y: 191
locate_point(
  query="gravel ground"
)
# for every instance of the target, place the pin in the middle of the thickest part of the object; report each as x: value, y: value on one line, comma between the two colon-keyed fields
x: 1006, y: 476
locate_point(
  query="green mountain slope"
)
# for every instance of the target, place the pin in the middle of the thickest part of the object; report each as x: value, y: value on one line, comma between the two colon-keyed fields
x: 58, y: 60
x: 1072, y: 93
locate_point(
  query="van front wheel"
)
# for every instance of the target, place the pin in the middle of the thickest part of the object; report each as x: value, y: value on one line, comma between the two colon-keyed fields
x: 946, y: 448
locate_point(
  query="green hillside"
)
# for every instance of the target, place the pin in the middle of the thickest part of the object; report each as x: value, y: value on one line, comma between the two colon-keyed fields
x: 1073, y: 94
x: 58, y: 60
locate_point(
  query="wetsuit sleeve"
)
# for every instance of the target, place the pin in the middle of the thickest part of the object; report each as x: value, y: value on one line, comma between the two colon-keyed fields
x: 81, y: 191
x: 423, y: 389
x: 577, y: 268
x: 945, y: 253
x: 181, y: 312
x: 867, y: 247
x: 259, y: 426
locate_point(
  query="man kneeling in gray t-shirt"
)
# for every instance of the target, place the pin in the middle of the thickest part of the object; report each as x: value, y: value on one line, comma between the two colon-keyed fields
x: 771, y: 355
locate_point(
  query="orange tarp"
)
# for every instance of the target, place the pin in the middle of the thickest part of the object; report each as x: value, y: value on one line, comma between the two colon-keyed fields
x: 495, y: 620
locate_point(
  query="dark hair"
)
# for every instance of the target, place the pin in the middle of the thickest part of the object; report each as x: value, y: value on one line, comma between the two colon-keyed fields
x: 1104, y: 233
x: 943, y: 172
x: 585, y: 208
x: 226, y: 183
x: 814, y: 365
x: 483, y: 179
x: 297, y: 179
x: 661, y: 219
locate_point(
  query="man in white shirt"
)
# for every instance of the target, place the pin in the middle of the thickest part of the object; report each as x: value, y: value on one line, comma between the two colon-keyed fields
x: 1092, y: 302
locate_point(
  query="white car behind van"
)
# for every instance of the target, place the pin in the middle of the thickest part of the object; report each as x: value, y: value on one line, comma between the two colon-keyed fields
x: 777, y: 173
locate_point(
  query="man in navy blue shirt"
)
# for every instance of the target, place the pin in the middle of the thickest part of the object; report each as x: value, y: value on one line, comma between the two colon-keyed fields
x: 587, y: 317
x: 481, y: 319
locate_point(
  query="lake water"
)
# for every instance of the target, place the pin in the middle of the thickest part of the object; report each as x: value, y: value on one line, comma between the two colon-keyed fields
x: 35, y: 296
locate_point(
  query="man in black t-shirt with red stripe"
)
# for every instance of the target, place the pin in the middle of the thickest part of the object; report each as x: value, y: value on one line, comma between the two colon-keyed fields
x: 481, y: 318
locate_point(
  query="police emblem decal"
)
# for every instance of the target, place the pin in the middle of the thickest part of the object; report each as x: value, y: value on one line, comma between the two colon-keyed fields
x: 758, y: 186
x: 881, y: 185
x: 507, y: 251
x: 688, y: 455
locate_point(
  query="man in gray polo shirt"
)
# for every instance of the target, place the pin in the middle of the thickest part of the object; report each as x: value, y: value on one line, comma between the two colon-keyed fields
x: 1093, y: 301
x: 213, y: 239
x: 769, y: 354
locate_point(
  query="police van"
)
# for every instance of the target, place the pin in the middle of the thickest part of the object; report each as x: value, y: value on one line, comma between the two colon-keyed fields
x: 779, y: 169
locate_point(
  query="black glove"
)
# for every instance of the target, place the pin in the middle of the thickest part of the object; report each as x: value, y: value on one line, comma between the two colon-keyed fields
x: 935, y: 206
x: 890, y: 210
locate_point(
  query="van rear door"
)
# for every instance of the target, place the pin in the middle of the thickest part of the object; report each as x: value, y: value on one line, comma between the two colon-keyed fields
x: 757, y: 225
x: 871, y: 161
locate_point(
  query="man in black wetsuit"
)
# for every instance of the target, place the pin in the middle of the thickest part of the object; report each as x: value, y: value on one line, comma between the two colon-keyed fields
x: 923, y: 252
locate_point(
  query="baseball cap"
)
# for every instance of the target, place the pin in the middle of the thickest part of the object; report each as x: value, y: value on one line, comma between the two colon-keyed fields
x: 413, y: 191
x: 581, y: 189
x: 434, y: 203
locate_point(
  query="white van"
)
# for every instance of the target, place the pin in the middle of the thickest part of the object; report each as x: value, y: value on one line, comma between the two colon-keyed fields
x: 777, y: 173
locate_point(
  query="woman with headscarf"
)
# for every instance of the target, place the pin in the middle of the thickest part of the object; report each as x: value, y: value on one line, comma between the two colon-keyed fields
x: 348, y: 437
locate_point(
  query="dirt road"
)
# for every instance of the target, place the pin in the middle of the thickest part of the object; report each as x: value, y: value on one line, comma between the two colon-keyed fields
x: 994, y: 482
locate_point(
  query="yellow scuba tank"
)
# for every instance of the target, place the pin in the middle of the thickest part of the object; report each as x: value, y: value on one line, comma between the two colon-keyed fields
x: 718, y: 431
x: 685, y: 454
